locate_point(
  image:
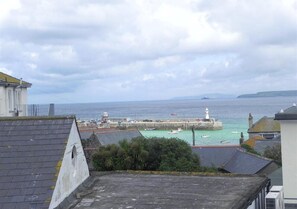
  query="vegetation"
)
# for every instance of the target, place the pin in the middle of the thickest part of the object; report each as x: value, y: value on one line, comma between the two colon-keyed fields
x: 274, y: 153
x: 249, y: 149
x: 155, y: 154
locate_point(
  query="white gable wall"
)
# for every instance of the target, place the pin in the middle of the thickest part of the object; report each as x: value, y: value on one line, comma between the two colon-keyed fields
x: 73, y: 171
x: 289, y: 159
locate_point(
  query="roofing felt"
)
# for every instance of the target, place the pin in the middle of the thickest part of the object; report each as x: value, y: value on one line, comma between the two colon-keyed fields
x: 7, y: 79
x: 265, y: 124
x: 288, y: 114
x: 126, y: 190
x: 115, y: 137
x: 31, y: 150
x: 246, y: 163
x: 215, y: 156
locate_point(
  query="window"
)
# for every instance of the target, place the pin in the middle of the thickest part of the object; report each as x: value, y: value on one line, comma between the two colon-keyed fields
x: 73, y: 156
x: 73, y: 160
x: 10, y: 99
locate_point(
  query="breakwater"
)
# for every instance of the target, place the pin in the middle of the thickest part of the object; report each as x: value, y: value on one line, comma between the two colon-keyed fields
x: 169, y: 125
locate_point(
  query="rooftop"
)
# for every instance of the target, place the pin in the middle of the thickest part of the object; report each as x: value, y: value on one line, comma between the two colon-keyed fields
x: 145, y: 190
x: 9, y: 80
x: 265, y: 124
x: 288, y: 114
x: 31, y: 150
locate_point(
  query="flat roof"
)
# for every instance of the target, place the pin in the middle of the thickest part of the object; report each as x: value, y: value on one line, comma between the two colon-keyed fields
x: 139, y: 190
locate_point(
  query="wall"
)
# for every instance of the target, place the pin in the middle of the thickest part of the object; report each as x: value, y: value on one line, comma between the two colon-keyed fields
x: 73, y: 171
x: 289, y: 159
x: 4, y: 103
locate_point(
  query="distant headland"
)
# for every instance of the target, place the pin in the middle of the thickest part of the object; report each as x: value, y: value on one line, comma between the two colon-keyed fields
x: 289, y: 93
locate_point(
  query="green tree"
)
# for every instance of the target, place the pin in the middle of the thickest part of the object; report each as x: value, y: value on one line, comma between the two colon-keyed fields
x: 147, y: 154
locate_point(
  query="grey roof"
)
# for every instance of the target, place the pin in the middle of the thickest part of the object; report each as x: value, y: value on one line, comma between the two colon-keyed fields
x: 137, y: 190
x: 246, y: 163
x: 115, y: 137
x: 31, y: 150
x: 265, y: 125
x: 261, y: 145
x: 288, y: 114
x: 215, y: 156
x: 85, y: 134
x: 232, y: 159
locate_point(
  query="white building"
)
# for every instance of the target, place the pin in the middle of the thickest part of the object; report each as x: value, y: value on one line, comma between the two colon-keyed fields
x: 13, y: 96
x: 288, y: 123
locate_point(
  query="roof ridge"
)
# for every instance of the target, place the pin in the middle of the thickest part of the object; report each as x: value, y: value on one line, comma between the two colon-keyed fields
x: 38, y: 117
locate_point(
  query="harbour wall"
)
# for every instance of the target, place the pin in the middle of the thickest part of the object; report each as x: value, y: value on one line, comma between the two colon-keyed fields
x: 185, y: 125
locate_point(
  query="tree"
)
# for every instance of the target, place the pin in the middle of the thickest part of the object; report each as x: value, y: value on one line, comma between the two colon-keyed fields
x: 147, y: 154
x: 274, y: 153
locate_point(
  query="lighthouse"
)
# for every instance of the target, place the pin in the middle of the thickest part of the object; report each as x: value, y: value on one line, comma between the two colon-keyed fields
x: 206, y: 114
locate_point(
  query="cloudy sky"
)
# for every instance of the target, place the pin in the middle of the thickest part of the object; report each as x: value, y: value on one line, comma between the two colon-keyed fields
x: 123, y: 50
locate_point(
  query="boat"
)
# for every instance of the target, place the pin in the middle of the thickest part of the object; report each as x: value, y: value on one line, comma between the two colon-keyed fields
x: 173, y: 132
x: 235, y: 132
x: 150, y: 129
x: 179, y: 129
x: 205, y: 136
x: 224, y: 142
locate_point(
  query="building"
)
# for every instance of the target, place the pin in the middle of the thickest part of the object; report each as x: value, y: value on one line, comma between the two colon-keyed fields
x: 288, y: 123
x: 233, y: 159
x: 13, y: 96
x: 42, y: 161
x: 156, y: 190
x: 266, y: 127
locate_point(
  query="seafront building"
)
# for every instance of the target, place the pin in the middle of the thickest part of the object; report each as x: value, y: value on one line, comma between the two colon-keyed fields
x: 288, y: 123
x: 13, y: 96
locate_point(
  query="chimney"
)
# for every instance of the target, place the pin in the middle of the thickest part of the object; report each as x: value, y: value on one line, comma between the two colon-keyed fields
x: 251, y: 122
x: 51, y: 111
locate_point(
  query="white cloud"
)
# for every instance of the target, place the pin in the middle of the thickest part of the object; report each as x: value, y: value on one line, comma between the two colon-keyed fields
x: 120, y: 49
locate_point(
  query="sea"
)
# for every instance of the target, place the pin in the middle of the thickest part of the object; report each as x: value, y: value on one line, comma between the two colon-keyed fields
x: 233, y: 113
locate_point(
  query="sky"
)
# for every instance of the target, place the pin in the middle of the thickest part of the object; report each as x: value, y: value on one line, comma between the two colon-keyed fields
x: 75, y: 51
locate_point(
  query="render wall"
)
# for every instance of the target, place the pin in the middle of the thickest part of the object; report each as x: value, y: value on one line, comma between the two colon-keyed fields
x: 20, y: 105
x: 2, y: 102
x: 73, y: 171
x: 289, y: 159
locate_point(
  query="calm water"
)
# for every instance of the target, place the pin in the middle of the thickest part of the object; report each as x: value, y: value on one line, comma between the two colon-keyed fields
x: 232, y: 112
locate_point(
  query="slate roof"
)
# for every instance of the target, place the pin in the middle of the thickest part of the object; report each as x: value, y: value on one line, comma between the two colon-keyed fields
x: 9, y: 80
x: 115, y: 137
x: 147, y: 191
x: 288, y: 114
x: 261, y: 145
x: 31, y: 150
x: 215, y: 156
x: 232, y: 159
x: 246, y: 163
x: 265, y: 125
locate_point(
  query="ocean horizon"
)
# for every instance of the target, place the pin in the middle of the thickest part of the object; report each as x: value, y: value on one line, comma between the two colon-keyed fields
x: 232, y: 112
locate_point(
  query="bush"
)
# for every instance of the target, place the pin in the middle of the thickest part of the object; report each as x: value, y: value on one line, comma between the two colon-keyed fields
x: 274, y: 153
x: 249, y: 149
x: 147, y: 154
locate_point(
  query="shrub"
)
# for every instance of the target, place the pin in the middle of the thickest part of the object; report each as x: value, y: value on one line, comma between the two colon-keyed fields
x: 274, y: 153
x: 147, y: 154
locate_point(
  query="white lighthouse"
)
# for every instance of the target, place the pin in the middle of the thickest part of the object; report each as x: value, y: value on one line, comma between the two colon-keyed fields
x: 206, y: 114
